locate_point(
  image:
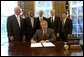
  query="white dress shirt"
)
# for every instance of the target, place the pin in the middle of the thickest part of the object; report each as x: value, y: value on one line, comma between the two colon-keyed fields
x: 64, y: 20
x: 40, y: 18
x: 18, y: 18
x: 53, y: 18
x: 44, y: 32
x: 32, y: 21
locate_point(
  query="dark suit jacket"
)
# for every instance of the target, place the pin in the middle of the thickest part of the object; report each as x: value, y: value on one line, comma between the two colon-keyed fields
x: 38, y: 36
x: 13, y: 28
x: 29, y: 31
x: 38, y: 22
x: 55, y: 25
x: 67, y: 28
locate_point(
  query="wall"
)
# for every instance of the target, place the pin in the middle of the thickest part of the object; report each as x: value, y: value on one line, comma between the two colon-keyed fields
x: 59, y: 6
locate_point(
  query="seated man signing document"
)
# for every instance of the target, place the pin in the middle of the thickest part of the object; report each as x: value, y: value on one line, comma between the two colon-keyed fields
x: 44, y: 34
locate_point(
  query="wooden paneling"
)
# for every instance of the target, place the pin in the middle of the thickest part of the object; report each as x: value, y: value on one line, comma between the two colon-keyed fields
x: 59, y: 7
x: 27, y: 6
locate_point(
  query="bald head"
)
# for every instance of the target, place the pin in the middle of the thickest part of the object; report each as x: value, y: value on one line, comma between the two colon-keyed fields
x: 52, y: 12
x: 17, y: 10
x: 40, y: 12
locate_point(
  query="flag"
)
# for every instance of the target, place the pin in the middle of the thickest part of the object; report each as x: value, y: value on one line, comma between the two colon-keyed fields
x: 22, y: 8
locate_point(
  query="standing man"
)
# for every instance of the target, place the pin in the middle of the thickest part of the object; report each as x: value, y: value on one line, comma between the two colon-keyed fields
x: 30, y: 25
x: 15, y: 26
x: 40, y: 18
x: 54, y: 23
x: 66, y: 25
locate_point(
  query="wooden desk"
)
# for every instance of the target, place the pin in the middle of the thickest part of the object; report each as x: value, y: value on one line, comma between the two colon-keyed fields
x: 73, y: 40
x: 24, y: 49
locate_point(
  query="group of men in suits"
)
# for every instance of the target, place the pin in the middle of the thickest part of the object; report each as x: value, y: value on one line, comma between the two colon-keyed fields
x: 20, y: 29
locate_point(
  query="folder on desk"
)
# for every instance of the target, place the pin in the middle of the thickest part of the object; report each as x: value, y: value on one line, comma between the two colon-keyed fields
x: 36, y: 45
x: 48, y: 44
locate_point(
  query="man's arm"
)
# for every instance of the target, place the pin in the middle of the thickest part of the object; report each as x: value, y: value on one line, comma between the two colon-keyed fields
x: 58, y: 28
x: 23, y: 23
x: 53, y: 37
x: 70, y: 28
x: 9, y: 29
x: 34, y: 38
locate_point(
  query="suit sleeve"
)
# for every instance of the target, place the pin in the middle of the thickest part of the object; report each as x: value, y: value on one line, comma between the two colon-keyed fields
x: 52, y: 38
x: 9, y: 27
x: 49, y: 23
x: 58, y: 26
x: 70, y: 27
x: 35, y: 35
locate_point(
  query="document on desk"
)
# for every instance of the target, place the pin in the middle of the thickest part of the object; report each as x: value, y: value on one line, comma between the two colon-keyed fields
x: 48, y: 44
x: 36, y: 45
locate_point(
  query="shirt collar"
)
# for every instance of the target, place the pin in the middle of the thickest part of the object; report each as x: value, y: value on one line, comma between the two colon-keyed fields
x: 53, y: 16
x: 16, y: 15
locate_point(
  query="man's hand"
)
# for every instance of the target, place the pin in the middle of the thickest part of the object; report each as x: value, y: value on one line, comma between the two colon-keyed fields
x: 68, y: 35
x: 57, y: 35
x: 42, y: 41
x: 24, y: 39
x: 32, y: 41
x: 11, y: 38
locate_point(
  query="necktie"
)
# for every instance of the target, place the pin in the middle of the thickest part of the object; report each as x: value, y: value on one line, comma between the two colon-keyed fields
x: 51, y: 19
x: 32, y: 21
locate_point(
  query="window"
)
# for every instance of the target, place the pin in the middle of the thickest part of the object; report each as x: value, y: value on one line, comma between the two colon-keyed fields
x: 7, y: 9
x: 45, y: 6
x: 76, y: 14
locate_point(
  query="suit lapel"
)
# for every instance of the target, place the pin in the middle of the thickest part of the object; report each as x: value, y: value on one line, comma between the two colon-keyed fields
x: 38, y: 21
x: 53, y: 20
x: 29, y: 22
x: 34, y: 23
x: 43, y: 18
x: 40, y: 35
x: 20, y: 21
x: 50, y: 19
x: 65, y: 22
